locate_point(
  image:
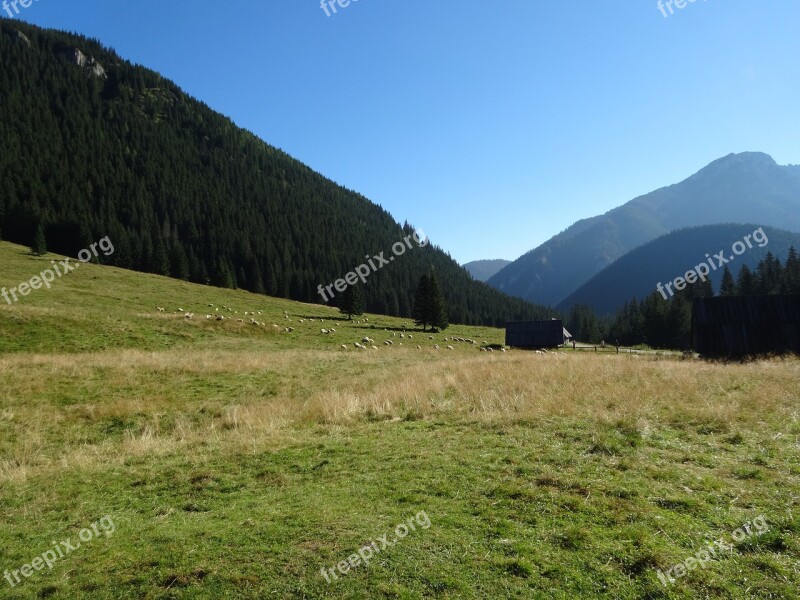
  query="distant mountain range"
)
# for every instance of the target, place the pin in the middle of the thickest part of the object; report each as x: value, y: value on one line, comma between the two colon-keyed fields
x: 637, y: 273
x: 740, y: 188
x: 482, y: 270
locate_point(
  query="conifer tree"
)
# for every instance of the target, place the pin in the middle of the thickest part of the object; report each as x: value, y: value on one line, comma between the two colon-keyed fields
x: 352, y: 302
x: 39, y: 246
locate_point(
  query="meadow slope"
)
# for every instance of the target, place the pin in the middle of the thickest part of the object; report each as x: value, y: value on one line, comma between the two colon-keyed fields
x: 239, y: 460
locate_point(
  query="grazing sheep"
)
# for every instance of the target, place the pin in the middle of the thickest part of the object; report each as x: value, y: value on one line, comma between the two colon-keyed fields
x: 188, y: 315
x: 302, y: 320
x: 324, y: 331
x: 343, y: 347
x: 208, y: 317
x: 220, y: 318
x: 333, y: 331
x: 367, y: 340
x: 450, y: 348
x: 436, y: 347
x: 502, y: 349
x: 159, y: 309
x: 411, y: 337
x: 180, y: 310
x: 387, y: 343
x: 374, y: 347
x: 403, y: 335
x: 430, y: 337
x: 419, y: 347
x: 483, y: 349
x: 211, y: 305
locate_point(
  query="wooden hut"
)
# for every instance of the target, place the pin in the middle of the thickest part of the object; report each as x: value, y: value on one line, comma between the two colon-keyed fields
x: 746, y: 326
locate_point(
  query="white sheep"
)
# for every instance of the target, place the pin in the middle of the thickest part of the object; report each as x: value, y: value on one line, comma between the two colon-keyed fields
x: 159, y: 309
x: 343, y: 347
x: 450, y: 348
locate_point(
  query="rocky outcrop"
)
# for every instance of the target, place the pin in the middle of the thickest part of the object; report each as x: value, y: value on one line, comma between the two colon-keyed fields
x: 88, y: 63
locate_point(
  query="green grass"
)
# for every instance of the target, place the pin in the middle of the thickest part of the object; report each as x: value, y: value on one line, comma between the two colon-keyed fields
x: 237, y: 461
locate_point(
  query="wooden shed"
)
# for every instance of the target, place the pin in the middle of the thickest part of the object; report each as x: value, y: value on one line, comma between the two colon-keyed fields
x: 535, y: 334
x: 746, y: 326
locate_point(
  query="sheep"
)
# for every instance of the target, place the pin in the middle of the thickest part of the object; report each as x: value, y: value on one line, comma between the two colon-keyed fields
x: 419, y: 347
x: 411, y: 337
x: 211, y: 305
x: 159, y: 309
x: 302, y: 320
x: 483, y: 349
x: 208, y: 317
x: 436, y: 347
x: 403, y: 335
x: 180, y: 310
x: 387, y: 343
x: 343, y: 347
x: 220, y: 318
x: 502, y: 349
x: 450, y: 348
x: 430, y: 337
x: 188, y: 315
x: 368, y: 340
x: 333, y: 331
x: 359, y: 346
x: 374, y: 347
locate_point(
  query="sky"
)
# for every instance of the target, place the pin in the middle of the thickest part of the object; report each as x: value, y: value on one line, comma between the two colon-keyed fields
x: 492, y: 126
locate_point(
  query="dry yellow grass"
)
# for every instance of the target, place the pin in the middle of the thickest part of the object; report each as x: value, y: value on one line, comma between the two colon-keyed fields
x: 168, y: 400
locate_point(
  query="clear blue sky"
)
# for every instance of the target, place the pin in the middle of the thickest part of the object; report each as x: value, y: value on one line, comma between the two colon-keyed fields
x: 490, y: 125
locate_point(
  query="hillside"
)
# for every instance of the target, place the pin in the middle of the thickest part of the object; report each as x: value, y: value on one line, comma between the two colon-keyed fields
x: 95, y: 146
x: 482, y: 270
x: 739, y: 188
x: 672, y: 255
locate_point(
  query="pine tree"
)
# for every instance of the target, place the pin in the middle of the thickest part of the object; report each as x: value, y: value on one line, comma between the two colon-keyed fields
x: 39, y: 246
x: 791, y: 272
x: 728, y: 285
x: 421, y: 311
x: 438, y: 306
x: 745, y: 283
x: 351, y: 302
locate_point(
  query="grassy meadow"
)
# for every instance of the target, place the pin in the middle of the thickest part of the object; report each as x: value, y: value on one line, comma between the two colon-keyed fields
x: 239, y: 460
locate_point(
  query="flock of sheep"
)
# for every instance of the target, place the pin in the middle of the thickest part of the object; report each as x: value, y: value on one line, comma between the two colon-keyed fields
x: 365, y: 343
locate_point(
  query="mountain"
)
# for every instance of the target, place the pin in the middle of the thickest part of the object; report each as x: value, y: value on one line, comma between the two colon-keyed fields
x: 637, y: 273
x: 94, y: 146
x: 739, y: 188
x: 482, y: 270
